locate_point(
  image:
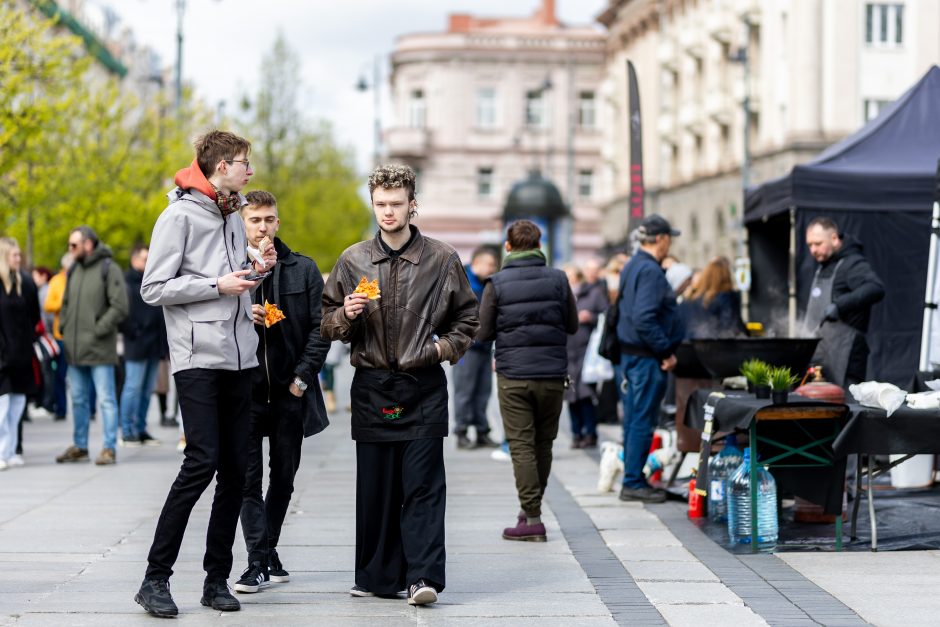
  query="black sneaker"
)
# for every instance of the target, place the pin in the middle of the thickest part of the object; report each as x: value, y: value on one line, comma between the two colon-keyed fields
x: 421, y: 593
x: 463, y: 441
x: 484, y: 441
x: 359, y: 591
x: 154, y: 596
x: 643, y: 495
x: 276, y: 571
x: 148, y: 440
x: 215, y: 594
x: 253, y: 579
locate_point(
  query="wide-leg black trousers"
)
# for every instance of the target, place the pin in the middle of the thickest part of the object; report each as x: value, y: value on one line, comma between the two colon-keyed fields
x: 401, y: 494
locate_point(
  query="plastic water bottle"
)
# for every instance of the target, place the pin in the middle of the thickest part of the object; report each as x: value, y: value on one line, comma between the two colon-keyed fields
x: 738, y: 496
x: 720, y: 468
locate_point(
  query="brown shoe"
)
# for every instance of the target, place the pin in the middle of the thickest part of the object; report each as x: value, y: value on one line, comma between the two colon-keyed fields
x: 106, y: 458
x: 73, y: 454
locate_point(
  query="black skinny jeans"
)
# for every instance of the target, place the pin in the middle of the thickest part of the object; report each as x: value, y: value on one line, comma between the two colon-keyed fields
x: 282, y: 422
x: 215, y: 410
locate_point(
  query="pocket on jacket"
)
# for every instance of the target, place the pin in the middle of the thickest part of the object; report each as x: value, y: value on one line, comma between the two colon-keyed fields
x: 211, y: 310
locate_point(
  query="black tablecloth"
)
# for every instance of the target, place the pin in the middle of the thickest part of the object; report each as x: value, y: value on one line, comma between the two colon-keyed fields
x: 822, y: 485
x: 870, y: 430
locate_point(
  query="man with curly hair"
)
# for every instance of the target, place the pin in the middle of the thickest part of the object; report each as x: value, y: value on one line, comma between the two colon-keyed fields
x: 424, y: 313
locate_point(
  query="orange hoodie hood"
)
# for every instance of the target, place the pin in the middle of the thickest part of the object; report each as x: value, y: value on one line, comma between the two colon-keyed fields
x: 192, y: 178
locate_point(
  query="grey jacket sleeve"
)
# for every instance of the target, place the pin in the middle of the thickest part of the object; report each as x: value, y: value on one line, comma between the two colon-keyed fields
x: 162, y: 283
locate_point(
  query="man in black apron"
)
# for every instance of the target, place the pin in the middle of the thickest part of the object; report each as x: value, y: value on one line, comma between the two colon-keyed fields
x: 839, y: 307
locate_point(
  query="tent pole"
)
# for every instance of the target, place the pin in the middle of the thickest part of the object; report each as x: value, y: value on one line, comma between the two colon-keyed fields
x: 930, y: 304
x: 791, y: 277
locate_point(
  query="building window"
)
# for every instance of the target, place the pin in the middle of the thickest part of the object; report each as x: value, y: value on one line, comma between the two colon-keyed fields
x: 585, y: 183
x: 486, y: 107
x: 485, y: 182
x: 535, y: 114
x: 884, y: 24
x: 587, y: 113
x: 417, y: 109
x: 872, y: 107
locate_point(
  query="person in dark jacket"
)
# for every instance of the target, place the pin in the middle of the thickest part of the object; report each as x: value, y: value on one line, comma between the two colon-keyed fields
x: 421, y: 313
x: 581, y: 396
x: 19, y: 314
x: 473, y: 374
x: 287, y: 404
x: 649, y: 330
x: 94, y: 305
x: 145, y: 345
x: 529, y: 310
x: 712, y: 308
x: 843, y: 291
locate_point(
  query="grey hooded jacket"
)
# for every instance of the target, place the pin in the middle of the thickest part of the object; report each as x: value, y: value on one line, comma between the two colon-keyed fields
x: 191, y: 247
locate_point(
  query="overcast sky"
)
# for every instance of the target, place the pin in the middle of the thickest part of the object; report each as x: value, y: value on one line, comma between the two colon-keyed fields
x: 337, y: 42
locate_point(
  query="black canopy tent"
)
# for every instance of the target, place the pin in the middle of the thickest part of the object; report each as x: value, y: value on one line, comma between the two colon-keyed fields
x: 878, y: 184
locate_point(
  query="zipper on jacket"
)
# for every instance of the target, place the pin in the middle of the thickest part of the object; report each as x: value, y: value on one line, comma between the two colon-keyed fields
x: 264, y: 337
x: 238, y: 351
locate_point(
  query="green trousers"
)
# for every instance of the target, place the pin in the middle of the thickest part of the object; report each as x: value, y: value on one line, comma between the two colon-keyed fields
x: 530, y: 409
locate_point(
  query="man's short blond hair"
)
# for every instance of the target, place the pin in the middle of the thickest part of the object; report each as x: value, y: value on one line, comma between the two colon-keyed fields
x: 391, y: 176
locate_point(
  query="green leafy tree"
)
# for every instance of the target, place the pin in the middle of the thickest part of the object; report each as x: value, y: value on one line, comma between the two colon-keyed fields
x: 78, y: 146
x: 299, y: 162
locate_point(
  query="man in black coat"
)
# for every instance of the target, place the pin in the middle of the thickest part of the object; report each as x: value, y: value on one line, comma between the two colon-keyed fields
x: 528, y: 308
x: 287, y: 404
x: 843, y: 292
x: 144, y: 333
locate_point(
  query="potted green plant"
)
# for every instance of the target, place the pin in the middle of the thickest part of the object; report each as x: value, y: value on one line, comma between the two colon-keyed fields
x: 781, y: 380
x: 757, y: 373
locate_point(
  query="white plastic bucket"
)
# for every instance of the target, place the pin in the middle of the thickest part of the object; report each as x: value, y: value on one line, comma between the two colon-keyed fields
x: 917, y: 472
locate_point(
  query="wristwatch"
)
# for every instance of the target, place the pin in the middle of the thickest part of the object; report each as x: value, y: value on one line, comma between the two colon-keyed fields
x: 300, y: 384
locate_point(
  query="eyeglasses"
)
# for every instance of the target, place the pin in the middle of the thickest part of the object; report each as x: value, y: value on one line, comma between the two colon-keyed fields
x: 245, y: 161
x: 72, y: 245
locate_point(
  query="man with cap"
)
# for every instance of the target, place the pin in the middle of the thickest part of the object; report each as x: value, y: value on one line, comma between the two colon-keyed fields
x: 649, y: 330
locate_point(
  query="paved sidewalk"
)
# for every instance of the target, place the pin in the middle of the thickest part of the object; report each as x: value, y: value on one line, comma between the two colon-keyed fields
x: 73, y: 543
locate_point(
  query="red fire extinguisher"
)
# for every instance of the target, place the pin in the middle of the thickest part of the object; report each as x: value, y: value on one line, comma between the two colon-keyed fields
x: 696, y: 502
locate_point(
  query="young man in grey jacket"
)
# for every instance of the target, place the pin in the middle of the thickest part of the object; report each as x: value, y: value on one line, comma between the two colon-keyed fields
x: 198, y: 270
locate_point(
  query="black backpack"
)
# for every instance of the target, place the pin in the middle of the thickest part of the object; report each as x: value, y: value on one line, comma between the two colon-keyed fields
x: 609, y: 347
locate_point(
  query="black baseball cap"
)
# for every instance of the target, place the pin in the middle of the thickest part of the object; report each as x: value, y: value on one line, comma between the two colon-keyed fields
x: 656, y: 225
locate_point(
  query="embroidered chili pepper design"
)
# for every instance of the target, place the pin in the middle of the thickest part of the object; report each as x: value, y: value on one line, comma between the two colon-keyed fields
x: 392, y: 413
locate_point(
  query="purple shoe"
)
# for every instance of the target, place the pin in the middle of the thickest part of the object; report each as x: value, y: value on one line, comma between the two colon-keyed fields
x: 525, y: 532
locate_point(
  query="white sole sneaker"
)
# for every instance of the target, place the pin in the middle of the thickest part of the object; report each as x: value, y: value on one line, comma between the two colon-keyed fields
x: 279, y: 578
x: 423, y: 596
x: 356, y: 591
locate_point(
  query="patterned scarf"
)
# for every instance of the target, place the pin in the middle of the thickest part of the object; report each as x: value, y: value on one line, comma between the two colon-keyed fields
x: 227, y: 204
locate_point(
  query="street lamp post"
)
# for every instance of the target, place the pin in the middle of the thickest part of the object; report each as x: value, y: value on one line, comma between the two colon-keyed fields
x: 180, y: 12
x: 743, y: 263
x: 364, y: 85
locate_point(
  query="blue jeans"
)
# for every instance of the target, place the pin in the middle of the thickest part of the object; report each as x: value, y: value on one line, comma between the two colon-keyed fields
x: 82, y: 381
x: 642, y: 387
x: 140, y: 377
x: 583, y: 418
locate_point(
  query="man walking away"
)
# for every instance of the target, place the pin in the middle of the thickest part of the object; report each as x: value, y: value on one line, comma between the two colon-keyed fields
x: 94, y: 304
x: 649, y: 330
x: 528, y: 308
x: 197, y: 270
x: 144, y: 345
x: 286, y: 401
x: 415, y: 310
x: 473, y: 374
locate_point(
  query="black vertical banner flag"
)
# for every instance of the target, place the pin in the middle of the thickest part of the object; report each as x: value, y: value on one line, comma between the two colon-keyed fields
x: 637, y: 191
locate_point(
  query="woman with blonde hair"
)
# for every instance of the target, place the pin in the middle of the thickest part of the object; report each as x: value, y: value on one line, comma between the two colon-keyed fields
x: 712, y: 308
x: 19, y: 314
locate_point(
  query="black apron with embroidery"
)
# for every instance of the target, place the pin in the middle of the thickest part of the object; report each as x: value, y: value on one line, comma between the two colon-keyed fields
x: 392, y: 406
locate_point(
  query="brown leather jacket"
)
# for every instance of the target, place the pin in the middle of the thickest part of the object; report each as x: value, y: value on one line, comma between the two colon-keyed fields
x: 424, y: 292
